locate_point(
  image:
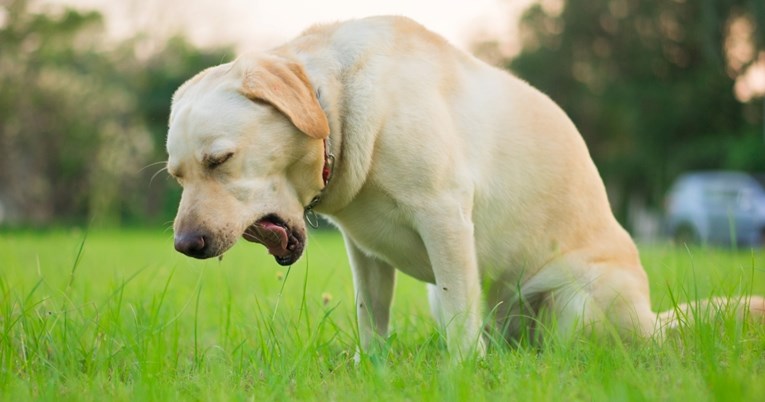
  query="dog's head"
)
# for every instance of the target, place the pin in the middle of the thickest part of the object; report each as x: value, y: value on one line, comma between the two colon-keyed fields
x: 245, y: 141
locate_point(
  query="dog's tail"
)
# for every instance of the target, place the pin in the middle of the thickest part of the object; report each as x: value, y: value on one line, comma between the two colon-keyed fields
x: 744, y: 307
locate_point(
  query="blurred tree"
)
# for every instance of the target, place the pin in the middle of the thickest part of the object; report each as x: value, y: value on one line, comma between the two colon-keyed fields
x: 650, y: 84
x: 81, y: 118
x: 67, y: 128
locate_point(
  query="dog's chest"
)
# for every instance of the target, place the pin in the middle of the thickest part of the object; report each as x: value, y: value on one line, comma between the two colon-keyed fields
x: 383, y: 230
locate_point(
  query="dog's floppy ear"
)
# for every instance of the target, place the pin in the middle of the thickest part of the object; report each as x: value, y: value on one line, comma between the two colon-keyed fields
x: 284, y: 85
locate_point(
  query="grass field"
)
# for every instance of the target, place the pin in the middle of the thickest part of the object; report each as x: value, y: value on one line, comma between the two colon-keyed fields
x: 122, y: 316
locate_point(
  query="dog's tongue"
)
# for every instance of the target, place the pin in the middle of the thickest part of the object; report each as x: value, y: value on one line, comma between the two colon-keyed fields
x: 271, y: 235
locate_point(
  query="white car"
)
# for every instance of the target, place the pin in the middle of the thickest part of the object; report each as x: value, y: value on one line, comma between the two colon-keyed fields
x: 717, y: 207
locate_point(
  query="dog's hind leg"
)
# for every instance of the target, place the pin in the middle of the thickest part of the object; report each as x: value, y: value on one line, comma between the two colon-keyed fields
x: 592, y: 299
x: 621, y: 295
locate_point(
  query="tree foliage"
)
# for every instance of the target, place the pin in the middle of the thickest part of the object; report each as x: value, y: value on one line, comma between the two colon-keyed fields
x: 81, y: 117
x: 650, y: 84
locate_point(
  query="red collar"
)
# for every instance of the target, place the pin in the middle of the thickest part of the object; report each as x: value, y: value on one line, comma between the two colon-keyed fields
x: 326, y: 175
x: 329, y: 162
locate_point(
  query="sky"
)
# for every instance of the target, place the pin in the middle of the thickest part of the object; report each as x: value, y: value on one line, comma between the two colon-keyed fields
x: 259, y: 24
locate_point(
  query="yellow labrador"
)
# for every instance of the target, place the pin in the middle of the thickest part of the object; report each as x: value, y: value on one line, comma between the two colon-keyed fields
x: 428, y: 160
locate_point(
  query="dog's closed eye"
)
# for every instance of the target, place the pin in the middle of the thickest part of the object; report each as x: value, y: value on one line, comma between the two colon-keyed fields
x: 213, y: 161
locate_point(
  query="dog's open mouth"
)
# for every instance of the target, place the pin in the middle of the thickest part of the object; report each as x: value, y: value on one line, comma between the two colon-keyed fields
x: 283, y: 242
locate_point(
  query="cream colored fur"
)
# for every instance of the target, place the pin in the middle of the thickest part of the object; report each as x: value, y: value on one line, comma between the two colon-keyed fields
x: 447, y: 169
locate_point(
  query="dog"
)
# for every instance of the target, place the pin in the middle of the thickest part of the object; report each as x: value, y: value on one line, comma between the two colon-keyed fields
x: 430, y: 162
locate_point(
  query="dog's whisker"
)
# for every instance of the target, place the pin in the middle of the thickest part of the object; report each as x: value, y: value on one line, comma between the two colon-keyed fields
x: 152, y: 164
x: 157, y: 173
x: 168, y: 226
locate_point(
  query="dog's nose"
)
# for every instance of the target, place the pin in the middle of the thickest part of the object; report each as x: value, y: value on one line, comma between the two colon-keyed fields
x: 192, y: 244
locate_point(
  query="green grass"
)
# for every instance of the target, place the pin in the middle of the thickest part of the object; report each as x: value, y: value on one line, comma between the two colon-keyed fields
x: 121, y: 316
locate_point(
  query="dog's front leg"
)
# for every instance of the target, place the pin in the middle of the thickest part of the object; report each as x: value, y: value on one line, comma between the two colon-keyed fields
x: 373, y: 282
x: 449, y: 239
